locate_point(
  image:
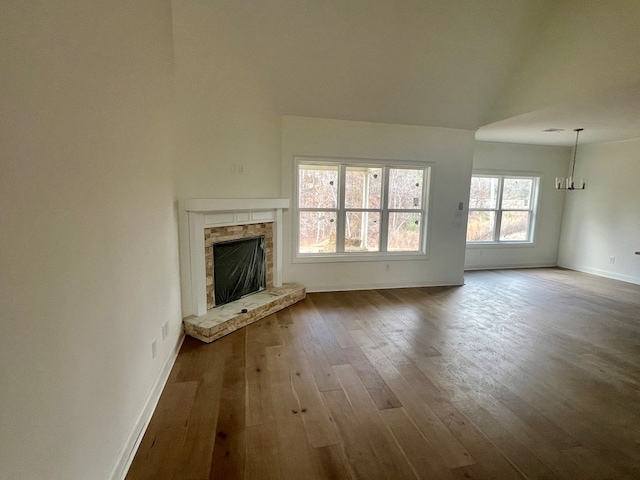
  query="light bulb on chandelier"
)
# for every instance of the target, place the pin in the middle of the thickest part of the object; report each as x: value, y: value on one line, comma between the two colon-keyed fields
x: 569, y: 183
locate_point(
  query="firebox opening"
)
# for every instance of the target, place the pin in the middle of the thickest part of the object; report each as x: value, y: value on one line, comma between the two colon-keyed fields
x: 239, y: 268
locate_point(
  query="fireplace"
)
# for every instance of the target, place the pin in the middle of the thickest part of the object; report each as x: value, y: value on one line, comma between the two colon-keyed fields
x: 239, y: 269
x: 217, y: 222
x: 212, y: 221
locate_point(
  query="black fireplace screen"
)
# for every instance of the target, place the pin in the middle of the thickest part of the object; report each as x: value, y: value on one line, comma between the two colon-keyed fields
x: 239, y: 268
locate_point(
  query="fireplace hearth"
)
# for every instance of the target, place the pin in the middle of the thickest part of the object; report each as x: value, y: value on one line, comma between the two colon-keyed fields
x: 232, y: 316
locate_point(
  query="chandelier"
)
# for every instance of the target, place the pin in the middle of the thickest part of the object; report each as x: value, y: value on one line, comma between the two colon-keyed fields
x: 569, y: 183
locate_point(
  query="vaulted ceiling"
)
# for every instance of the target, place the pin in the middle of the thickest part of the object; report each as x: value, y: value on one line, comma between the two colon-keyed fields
x: 508, y: 68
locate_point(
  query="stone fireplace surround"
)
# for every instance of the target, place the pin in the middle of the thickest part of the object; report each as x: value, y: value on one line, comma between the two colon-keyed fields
x: 222, y: 217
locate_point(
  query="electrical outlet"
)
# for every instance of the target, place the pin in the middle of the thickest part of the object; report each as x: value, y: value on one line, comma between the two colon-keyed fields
x: 165, y: 330
x: 154, y: 349
x: 612, y: 260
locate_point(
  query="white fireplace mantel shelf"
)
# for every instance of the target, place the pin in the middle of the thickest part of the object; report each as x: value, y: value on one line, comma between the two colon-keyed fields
x: 216, y: 212
x: 205, y: 205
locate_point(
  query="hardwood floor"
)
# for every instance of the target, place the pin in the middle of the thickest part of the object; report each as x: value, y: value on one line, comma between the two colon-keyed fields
x: 519, y: 374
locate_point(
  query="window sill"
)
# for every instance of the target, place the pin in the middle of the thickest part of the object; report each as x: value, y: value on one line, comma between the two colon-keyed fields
x: 500, y: 244
x: 360, y: 257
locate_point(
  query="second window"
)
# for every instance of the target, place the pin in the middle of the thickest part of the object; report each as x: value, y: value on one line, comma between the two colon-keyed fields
x: 501, y: 209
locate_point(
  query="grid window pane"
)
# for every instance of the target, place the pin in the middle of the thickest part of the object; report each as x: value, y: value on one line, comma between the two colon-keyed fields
x: 362, y: 232
x: 404, y: 232
x: 516, y: 194
x: 318, y: 187
x: 481, y: 226
x: 484, y: 192
x: 363, y: 187
x: 317, y: 232
x: 405, y: 188
x: 514, y: 226
x: 503, y: 203
x: 351, y: 207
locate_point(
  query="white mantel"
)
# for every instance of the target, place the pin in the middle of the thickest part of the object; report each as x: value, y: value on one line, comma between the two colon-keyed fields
x: 221, y: 212
x: 211, y: 205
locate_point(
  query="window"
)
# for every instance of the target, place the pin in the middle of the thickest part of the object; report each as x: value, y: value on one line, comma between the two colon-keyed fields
x: 502, y: 209
x: 360, y: 208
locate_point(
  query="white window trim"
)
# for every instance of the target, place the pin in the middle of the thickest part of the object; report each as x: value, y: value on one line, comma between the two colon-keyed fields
x: 530, y: 242
x: 337, y: 257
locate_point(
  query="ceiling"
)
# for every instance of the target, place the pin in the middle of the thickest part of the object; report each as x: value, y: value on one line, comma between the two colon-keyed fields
x: 606, y: 118
x: 508, y: 69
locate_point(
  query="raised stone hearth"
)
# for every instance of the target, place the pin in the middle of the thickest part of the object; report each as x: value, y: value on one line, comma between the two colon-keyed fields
x: 228, y: 318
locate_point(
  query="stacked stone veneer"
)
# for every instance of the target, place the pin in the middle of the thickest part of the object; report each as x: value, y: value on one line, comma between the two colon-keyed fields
x: 214, y: 235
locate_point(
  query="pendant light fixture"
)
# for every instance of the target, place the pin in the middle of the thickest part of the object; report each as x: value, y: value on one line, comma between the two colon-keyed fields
x: 563, y: 183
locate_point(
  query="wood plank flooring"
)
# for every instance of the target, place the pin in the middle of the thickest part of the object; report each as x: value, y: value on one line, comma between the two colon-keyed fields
x: 519, y: 374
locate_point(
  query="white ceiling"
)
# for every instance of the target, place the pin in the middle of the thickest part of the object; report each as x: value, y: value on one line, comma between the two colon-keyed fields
x: 606, y: 118
x: 508, y: 68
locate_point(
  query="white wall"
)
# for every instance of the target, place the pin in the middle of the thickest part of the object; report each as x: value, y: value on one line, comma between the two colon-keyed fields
x: 603, y: 221
x: 450, y: 149
x: 549, y: 163
x: 226, y: 120
x: 583, y: 49
x: 88, y: 242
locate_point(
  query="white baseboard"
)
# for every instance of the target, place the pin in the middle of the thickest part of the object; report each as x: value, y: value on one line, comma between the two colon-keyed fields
x: 381, y: 286
x: 603, y: 273
x: 130, y: 446
x: 510, y: 267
